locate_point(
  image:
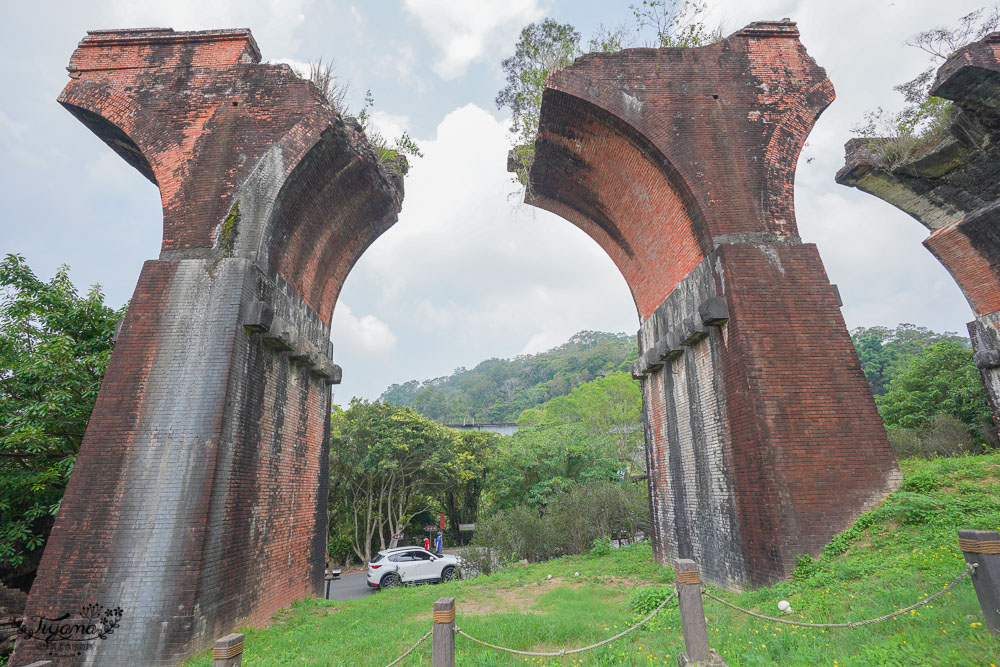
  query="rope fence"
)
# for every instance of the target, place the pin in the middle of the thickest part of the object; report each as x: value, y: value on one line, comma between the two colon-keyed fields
x: 411, y: 649
x: 656, y: 611
x: 982, y: 555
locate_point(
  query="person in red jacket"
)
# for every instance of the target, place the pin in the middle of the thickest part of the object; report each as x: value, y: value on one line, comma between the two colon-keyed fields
x: 427, y: 543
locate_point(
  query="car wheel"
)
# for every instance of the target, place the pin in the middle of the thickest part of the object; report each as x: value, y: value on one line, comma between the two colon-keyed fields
x: 448, y: 573
x: 389, y: 581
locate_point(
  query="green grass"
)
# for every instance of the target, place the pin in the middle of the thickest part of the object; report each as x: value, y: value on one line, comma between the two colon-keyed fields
x: 893, y: 556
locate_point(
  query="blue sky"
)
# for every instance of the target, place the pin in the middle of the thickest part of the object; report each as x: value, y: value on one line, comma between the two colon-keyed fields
x: 467, y: 273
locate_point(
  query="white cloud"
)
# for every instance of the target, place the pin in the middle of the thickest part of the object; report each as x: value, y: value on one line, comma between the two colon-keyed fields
x: 545, y: 340
x: 390, y: 126
x: 300, y: 67
x: 366, y: 335
x: 465, y: 275
x: 472, y: 31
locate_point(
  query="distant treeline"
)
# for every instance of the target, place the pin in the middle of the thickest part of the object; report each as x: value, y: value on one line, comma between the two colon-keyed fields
x: 499, y: 390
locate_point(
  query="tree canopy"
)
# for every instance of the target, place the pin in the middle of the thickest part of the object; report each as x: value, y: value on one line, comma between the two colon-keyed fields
x: 884, y: 352
x: 54, y: 348
x: 499, y: 390
x: 942, y: 378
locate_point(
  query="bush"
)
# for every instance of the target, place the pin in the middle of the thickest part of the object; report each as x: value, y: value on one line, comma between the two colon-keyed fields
x: 585, y: 515
x: 943, y: 435
x: 805, y: 567
x: 646, y: 600
x: 922, y: 482
x: 601, y: 546
x: 339, y: 549
x: 476, y: 560
x: 912, y: 508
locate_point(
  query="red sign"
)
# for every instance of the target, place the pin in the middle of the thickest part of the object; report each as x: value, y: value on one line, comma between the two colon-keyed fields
x: 397, y: 536
x: 442, y: 522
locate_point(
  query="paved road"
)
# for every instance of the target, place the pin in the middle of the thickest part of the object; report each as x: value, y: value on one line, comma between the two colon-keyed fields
x: 351, y: 587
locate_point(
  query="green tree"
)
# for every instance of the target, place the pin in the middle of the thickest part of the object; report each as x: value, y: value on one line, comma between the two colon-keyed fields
x: 610, y: 411
x: 536, y: 463
x: 388, y: 462
x: 941, y: 379
x: 884, y: 352
x: 499, y: 390
x: 54, y: 348
x: 465, y: 473
x: 547, y: 46
x: 541, y: 48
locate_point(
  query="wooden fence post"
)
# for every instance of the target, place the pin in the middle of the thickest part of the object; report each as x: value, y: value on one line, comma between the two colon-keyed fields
x: 228, y: 651
x: 983, y: 547
x: 444, y: 633
x: 688, y: 583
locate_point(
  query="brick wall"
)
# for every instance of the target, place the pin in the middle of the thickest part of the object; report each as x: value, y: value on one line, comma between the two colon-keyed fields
x: 762, y: 438
x: 198, y: 501
x: 952, y: 187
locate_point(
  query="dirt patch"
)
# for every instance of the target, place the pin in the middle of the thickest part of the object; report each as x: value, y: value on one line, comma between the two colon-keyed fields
x: 519, y: 599
x: 625, y: 582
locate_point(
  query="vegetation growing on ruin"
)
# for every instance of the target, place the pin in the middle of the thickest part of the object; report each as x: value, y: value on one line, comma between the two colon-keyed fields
x: 391, y: 154
x: 547, y: 46
x: 54, y: 348
x: 229, y: 231
x: 900, y: 552
x: 924, y: 119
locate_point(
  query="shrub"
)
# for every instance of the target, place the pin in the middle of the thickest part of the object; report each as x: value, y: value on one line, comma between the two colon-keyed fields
x: 922, y: 482
x: 601, y: 546
x: 942, y: 435
x: 645, y: 600
x: 805, y: 567
x: 912, y: 508
x: 585, y: 515
x: 476, y: 560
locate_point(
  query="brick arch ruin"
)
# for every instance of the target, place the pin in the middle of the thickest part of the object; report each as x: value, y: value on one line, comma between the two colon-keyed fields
x: 762, y: 437
x: 199, y: 496
x: 950, y: 186
x: 198, y: 501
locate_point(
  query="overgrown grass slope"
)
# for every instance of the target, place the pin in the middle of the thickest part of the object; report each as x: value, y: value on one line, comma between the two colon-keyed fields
x: 893, y: 556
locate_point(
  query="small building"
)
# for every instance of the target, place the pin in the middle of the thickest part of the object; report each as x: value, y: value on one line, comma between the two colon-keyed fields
x: 504, y: 428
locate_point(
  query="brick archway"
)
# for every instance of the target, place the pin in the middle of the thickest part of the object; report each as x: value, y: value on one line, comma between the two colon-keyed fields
x: 762, y: 435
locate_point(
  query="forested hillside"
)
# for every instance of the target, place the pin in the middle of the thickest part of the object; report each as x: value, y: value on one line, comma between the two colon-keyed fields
x: 499, y: 390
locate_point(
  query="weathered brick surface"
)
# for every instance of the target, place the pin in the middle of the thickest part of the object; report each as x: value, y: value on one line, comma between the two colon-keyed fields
x: 952, y: 187
x: 762, y: 437
x: 198, y: 500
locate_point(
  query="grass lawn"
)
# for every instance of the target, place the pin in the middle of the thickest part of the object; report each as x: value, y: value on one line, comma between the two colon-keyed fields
x: 893, y: 556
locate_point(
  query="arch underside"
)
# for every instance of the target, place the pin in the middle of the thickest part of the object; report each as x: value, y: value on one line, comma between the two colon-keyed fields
x: 601, y: 174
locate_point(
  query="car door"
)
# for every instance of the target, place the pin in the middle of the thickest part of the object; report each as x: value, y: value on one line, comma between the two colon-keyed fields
x: 423, y: 564
x: 406, y: 567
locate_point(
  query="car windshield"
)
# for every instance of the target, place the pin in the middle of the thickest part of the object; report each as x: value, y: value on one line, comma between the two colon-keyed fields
x: 379, y: 558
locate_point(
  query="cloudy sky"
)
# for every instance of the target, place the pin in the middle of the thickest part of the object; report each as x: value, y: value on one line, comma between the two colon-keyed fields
x: 467, y: 273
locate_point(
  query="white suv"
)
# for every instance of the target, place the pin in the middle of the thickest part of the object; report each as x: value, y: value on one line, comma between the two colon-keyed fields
x: 404, y: 565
